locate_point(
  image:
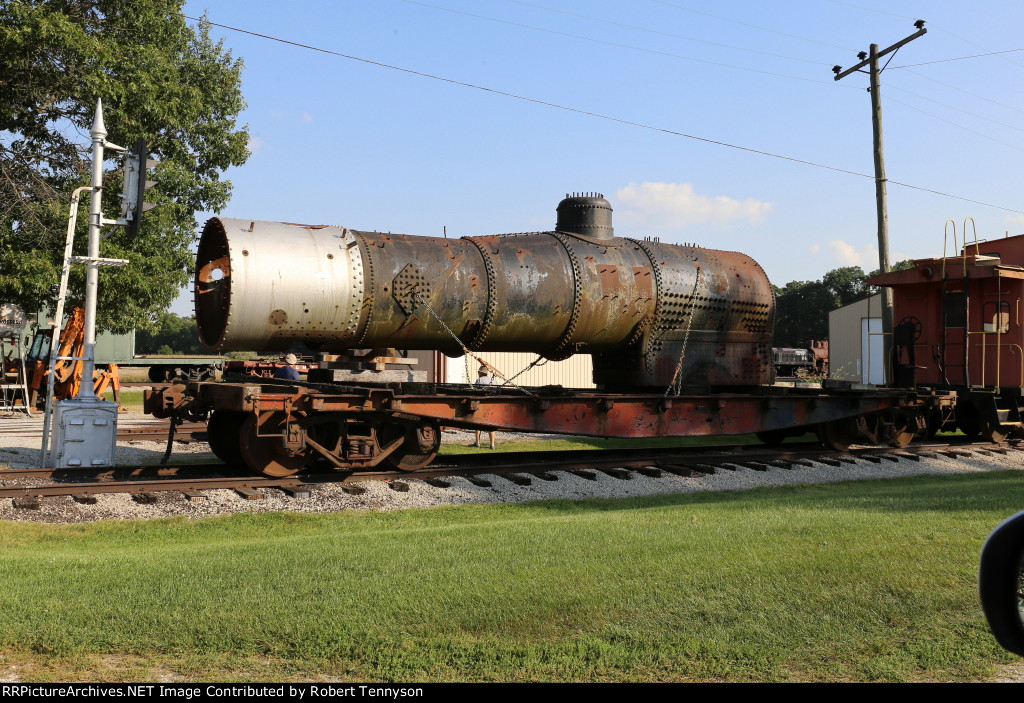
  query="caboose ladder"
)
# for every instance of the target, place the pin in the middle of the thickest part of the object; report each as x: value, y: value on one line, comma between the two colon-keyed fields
x: 955, y: 321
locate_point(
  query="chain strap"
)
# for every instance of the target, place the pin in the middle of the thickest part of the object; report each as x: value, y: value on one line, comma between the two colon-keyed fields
x: 676, y: 384
x: 467, y: 352
x: 539, y: 361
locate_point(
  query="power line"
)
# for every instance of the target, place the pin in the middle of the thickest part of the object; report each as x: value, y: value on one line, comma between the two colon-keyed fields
x: 933, y: 25
x: 965, y: 92
x: 660, y: 33
x: 752, y: 26
x: 580, y: 111
x: 610, y: 43
x: 979, y: 46
x: 954, y: 124
x: 959, y: 58
x: 953, y: 107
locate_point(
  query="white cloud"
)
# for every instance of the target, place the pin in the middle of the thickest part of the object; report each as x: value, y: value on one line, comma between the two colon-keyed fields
x: 848, y: 255
x: 306, y: 117
x: 673, y: 205
x: 813, y: 249
x: 256, y: 144
x: 1013, y: 220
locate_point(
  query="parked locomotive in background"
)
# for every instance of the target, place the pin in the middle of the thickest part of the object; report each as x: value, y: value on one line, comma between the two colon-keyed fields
x: 680, y: 338
x: 811, y: 361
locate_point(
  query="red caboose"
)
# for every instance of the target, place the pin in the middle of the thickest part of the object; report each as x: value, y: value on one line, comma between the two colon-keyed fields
x: 957, y: 324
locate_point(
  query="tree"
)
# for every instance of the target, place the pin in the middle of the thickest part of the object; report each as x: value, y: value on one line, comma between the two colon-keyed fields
x: 801, y: 313
x: 170, y: 334
x: 159, y: 79
x: 802, y: 307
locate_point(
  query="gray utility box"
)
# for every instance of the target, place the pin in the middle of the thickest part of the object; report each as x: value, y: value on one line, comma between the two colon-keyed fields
x: 86, y: 433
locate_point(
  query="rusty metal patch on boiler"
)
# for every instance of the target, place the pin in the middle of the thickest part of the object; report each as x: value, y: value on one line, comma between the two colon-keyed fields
x: 407, y: 285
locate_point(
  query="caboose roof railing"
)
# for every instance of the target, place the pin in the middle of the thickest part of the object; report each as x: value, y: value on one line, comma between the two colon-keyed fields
x: 956, y: 248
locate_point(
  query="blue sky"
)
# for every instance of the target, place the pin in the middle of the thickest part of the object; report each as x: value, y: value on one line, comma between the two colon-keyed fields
x: 340, y: 141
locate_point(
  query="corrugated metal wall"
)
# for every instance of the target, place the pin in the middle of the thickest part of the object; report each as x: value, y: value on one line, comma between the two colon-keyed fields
x: 845, y: 338
x: 575, y: 372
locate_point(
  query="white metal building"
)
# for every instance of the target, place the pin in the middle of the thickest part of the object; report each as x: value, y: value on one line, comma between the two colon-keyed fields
x: 855, y: 342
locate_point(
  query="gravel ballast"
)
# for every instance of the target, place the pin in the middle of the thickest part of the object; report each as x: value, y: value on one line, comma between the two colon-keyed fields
x: 19, y: 450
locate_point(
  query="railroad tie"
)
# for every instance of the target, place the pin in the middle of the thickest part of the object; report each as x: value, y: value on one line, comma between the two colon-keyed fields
x: 85, y: 499
x: 437, y: 483
x: 353, y: 490
x: 144, y: 498
x: 679, y: 470
x: 477, y: 481
x: 620, y: 474
x: 26, y: 503
x: 517, y: 479
x: 544, y: 475
x: 583, y: 473
x: 400, y: 486
x: 248, y: 493
x: 649, y: 471
x: 829, y: 461
x: 194, y: 496
x: 301, y: 492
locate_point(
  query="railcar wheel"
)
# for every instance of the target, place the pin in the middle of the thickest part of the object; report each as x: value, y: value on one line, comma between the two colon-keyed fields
x: 991, y: 432
x: 968, y: 421
x: 419, y: 448
x: 223, y: 433
x: 267, y: 454
x: 772, y: 438
x: 838, y: 434
x: 903, y: 436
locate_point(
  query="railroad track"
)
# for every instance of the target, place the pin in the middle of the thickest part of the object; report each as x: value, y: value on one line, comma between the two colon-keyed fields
x: 134, y: 430
x: 518, y: 468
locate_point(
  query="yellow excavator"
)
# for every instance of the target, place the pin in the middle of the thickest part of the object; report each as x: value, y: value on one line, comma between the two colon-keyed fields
x: 67, y: 377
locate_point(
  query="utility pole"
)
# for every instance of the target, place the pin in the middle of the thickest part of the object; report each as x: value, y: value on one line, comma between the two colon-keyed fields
x: 870, y: 59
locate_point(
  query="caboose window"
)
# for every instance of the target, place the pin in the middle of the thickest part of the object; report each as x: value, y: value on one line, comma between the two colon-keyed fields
x: 996, y: 316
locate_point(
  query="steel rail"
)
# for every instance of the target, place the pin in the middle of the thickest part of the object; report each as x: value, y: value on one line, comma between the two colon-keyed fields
x: 537, y: 464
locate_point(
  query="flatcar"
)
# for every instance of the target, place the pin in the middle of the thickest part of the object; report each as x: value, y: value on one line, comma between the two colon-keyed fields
x: 680, y: 338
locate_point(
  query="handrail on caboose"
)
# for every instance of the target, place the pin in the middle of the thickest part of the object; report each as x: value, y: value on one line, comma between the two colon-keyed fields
x: 945, y: 236
x: 977, y: 247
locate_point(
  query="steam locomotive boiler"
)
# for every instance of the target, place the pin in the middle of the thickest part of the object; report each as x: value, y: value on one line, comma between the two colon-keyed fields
x: 651, y: 314
x: 680, y: 337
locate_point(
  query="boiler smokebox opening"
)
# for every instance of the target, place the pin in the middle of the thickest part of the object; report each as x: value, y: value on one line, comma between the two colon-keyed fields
x: 213, y: 284
x: 585, y: 214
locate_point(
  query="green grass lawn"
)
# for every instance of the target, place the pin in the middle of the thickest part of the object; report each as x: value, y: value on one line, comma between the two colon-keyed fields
x: 861, y: 581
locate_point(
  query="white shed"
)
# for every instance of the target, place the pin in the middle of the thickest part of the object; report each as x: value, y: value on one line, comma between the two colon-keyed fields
x: 855, y: 342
